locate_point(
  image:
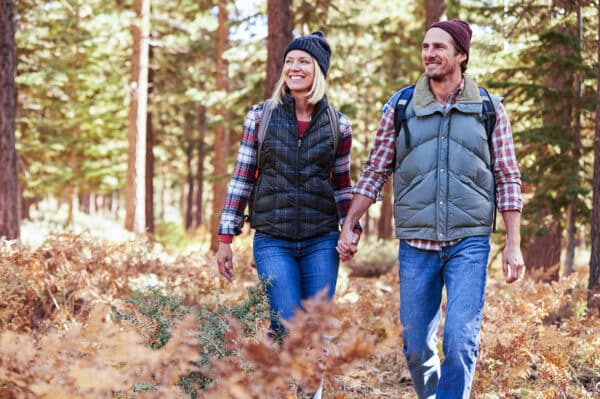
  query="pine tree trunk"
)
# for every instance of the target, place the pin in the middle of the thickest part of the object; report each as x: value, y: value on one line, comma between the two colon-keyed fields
x: 135, y: 192
x: 149, y: 197
x: 281, y: 23
x: 594, y: 279
x: 544, y: 250
x: 198, y: 220
x: 435, y: 11
x: 572, y: 207
x: 9, y: 179
x: 189, y: 155
x: 221, y: 134
x: 384, y: 225
x: 542, y: 255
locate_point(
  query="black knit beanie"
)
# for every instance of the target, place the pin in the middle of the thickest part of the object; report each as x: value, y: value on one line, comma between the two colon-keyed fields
x: 459, y: 30
x: 315, y: 45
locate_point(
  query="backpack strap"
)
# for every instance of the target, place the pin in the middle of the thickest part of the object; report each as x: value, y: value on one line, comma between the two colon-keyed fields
x: 401, y: 98
x: 263, y: 125
x: 488, y: 113
x: 334, y: 120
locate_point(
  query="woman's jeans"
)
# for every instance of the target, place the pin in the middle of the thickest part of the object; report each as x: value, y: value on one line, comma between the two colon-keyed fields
x: 294, y: 271
x: 462, y: 268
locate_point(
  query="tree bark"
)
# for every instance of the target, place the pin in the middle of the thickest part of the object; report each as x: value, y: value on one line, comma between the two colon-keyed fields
x: 189, y: 155
x: 281, y: 23
x: 384, y: 225
x: 435, y: 10
x: 221, y: 133
x: 594, y: 279
x: 544, y: 250
x: 135, y: 191
x: 149, y: 195
x: 573, y: 204
x: 542, y: 255
x: 9, y: 178
x: 198, y: 219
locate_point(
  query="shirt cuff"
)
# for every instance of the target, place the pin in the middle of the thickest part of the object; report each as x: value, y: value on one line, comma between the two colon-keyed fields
x: 226, y: 238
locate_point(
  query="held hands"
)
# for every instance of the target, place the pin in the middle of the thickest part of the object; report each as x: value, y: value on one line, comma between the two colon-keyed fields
x: 225, y: 260
x: 347, y: 244
x: 512, y: 263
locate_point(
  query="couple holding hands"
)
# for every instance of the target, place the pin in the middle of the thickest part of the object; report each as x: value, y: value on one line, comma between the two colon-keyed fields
x: 449, y: 178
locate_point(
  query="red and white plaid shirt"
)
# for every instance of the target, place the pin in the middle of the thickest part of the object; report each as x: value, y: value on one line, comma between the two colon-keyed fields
x: 506, y: 171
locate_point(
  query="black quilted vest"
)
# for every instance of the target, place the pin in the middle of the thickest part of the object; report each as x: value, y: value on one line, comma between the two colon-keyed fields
x: 293, y: 197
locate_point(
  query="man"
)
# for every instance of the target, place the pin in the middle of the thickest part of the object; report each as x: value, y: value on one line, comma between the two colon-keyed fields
x: 444, y: 207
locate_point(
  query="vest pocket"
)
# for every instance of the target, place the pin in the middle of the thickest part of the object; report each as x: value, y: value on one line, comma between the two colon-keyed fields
x: 409, y: 187
x: 470, y: 184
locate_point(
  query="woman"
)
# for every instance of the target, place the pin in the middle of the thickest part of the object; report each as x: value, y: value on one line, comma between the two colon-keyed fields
x: 302, y: 190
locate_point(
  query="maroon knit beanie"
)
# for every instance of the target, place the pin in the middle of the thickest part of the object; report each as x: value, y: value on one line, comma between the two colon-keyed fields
x: 460, y: 32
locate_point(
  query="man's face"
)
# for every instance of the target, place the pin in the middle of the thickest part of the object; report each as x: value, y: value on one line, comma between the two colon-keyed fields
x: 439, y: 56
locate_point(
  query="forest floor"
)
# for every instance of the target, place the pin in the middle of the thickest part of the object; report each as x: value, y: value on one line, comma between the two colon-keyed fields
x: 108, y: 314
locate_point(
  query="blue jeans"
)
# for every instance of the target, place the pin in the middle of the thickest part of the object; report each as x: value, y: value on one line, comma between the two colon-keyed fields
x: 294, y: 271
x: 462, y: 268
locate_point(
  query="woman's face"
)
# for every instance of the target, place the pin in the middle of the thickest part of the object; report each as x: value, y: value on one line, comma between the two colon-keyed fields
x: 298, y: 71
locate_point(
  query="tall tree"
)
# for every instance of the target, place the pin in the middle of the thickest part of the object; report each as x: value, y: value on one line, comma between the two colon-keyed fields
x: 221, y: 143
x: 281, y: 23
x: 574, y: 200
x: 9, y: 193
x: 135, y: 192
x: 594, y: 279
x: 149, y: 175
x: 384, y: 224
x: 435, y: 10
x: 198, y: 219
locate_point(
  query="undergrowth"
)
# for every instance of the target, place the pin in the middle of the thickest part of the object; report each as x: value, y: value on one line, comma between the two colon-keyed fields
x: 83, y: 318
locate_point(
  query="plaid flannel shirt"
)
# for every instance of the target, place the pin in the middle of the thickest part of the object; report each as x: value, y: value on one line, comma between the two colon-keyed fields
x: 243, y: 178
x: 506, y: 171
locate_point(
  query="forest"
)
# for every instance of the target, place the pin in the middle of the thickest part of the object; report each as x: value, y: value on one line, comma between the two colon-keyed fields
x: 120, y: 122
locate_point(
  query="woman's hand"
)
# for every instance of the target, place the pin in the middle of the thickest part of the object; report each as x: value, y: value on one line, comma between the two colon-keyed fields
x: 225, y: 260
x: 347, y: 244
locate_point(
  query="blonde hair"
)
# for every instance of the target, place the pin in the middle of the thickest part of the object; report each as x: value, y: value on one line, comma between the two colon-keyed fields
x: 317, y: 90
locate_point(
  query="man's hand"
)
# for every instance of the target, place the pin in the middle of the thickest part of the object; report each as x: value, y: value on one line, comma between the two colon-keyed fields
x: 225, y: 260
x: 512, y: 259
x: 512, y: 262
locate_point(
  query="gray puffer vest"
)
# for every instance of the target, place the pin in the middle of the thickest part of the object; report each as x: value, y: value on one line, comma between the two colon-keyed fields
x: 443, y: 183
x: 294, y: 197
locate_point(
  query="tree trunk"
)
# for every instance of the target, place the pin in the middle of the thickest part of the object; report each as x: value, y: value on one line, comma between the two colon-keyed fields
x: 367, y: 216
x: 573, y: 204
x: 221, y: 134
x: 281, y: 23
x: 594, y: 279
x: 542, y: 255
x: 149, y: 196
x: 384, y: 225
x: 198, y: 220
x: 135, y: 191
x: 189, y: 155
x: 435, y: 10
x: 543, y: 251
x: 9, y: 179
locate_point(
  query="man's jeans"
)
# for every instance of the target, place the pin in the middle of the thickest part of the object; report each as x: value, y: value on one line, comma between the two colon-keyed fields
x: 462, y: 268
x: 294, y: 271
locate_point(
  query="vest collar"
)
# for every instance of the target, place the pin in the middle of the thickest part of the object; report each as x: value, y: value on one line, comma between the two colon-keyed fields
x: 469, y: 100
x: 289, y: 105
